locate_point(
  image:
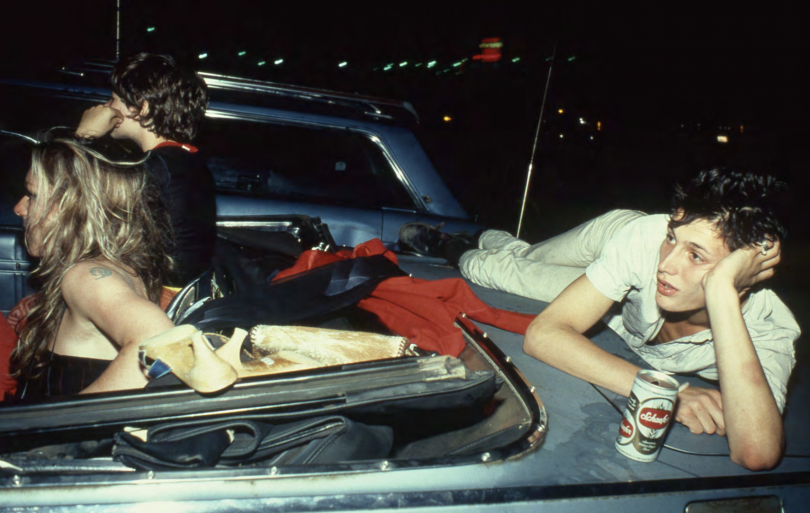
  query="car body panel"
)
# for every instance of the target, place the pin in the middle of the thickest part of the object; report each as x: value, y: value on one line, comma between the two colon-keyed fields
x: 576, y: 469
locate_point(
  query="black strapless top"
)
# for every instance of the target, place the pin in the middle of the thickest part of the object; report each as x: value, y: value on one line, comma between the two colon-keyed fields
x: 65, y: 375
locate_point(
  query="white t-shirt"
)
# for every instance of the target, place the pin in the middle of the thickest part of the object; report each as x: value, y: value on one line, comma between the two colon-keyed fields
x: 626, y: 271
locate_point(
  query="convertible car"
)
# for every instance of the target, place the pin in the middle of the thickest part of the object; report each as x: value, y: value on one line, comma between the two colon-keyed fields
x: 477, y: 426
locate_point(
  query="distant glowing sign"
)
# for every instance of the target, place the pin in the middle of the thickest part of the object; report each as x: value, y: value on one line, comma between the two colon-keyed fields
x: 490, y: 50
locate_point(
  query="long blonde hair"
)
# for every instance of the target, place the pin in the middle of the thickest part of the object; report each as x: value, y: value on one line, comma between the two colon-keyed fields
x: 89, y: 209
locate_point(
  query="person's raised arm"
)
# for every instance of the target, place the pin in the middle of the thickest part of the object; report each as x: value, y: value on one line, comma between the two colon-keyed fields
x: 753, y: 423
x: 555, y: 337
x: 98, y: 121
x: 99, y: 294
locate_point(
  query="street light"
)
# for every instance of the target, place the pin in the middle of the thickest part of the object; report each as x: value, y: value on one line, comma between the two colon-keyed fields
x: 342, y: 64
x: 203, y: 55
x: 278, y: 61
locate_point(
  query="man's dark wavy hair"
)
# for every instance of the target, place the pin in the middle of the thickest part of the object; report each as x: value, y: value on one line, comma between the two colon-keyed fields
x: 177, y: 96
x: 746, y: 208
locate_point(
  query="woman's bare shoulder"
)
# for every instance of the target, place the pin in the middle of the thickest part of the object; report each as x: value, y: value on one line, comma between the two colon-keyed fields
x: 98, y: 280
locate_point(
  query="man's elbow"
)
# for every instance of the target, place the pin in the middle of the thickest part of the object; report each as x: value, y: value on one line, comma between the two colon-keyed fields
x: 757, y: 458
x: 535, y: 339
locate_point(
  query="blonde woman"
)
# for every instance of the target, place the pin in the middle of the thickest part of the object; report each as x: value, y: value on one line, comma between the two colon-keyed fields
x: 99, y: 232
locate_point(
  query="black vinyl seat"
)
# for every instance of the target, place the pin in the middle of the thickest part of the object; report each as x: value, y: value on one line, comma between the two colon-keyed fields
x: 14, y: 268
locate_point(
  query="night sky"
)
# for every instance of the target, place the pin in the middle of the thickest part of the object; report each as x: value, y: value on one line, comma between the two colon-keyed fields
x: 634, y: 65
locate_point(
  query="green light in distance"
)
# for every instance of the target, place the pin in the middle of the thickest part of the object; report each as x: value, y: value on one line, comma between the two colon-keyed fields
x: 150, y: 29
x: 403, y: 63
x: 342, y: 64
x: 203, y: 55
x: 431, y: 64
x: 572, y: 58
x: 278, y: 61
x: 516, y: 59
x: 242, y: 54
x: 457, y: 64
x: 261, y: 63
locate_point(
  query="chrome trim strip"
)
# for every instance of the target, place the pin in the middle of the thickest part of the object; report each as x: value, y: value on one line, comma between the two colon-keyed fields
x: 403, y: 178
x: 285, y: 225
x: 318, y: 95
x: 246, y: 84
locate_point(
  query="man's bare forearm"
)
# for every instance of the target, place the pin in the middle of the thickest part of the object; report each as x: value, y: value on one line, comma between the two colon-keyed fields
x: 565, y: 349
x: 753, y: 423
x: 555, y: 337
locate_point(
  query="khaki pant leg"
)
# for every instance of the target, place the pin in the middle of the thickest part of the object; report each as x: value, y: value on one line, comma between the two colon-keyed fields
x: 545, y: 269
x: 580, y: 246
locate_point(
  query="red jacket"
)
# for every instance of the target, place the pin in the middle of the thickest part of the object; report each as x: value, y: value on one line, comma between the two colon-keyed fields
x: 422, y: 310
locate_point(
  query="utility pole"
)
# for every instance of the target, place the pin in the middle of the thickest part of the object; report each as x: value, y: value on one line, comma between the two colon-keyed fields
x: 117, y: 30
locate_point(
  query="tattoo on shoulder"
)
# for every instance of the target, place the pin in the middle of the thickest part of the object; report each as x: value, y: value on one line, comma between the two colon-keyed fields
x: 100, y: 272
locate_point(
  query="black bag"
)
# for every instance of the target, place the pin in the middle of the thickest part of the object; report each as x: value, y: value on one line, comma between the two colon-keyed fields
x: 239, y: 441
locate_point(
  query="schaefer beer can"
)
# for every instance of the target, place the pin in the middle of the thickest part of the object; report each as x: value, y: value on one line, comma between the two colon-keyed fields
x: 648, y: 413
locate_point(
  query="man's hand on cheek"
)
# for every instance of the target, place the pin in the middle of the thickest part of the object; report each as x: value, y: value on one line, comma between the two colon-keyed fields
x: 701, y: 410
x: 746, y: 266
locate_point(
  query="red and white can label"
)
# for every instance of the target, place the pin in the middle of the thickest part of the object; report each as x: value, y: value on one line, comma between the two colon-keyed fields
x: 647, y: 416
x: 626, y: 430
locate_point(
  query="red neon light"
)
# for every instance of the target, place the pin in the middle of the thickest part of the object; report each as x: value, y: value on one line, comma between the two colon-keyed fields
x: 490, y: 50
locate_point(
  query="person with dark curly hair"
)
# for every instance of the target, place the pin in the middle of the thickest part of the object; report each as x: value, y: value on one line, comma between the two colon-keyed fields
x: 160, y: 106
x: 690, y: 287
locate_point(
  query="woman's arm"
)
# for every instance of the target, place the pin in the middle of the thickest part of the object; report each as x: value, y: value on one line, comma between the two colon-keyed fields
x: 98, y: 293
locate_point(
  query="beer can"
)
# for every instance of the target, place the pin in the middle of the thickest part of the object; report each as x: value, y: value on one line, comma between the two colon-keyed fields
x: 648, y: 413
